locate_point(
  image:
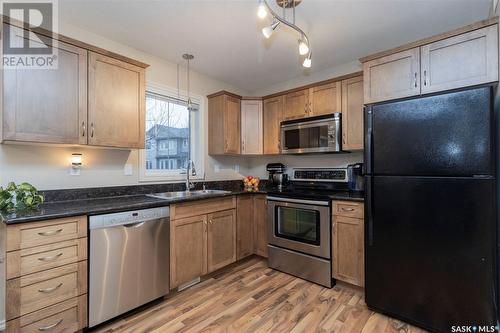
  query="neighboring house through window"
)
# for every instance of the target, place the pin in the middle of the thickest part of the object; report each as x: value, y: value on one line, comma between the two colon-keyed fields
x: 170, y: 127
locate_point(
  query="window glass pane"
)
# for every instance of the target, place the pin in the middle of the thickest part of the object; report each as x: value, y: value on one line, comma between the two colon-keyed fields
x: 167, y: 133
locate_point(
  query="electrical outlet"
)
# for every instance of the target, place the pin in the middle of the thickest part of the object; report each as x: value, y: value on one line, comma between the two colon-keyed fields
x: 237, y: 168
x: 216, y: 168
x: 128, y: 170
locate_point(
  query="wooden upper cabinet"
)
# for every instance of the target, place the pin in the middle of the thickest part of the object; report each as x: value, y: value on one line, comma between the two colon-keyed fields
x: 393, y: 76
x: 273, y: 115
x: 464, y: 60
x: 224, y: 124
x: 221, y: 239
x: 352, y: 113
x: 296, y: 105
x: 188, y: 249
x: 47, y: 105
x: 251, y: 127
x: 116, y: 103
x: 325, y: 99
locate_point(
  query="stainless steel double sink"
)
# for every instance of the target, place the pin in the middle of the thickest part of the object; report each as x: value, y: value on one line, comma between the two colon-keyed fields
x: 186, y: 194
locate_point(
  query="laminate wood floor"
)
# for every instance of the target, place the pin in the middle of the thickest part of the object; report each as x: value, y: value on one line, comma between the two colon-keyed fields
x: 251, y: 297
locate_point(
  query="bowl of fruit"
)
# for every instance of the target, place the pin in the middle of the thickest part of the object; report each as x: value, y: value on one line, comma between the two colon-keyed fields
x: 251, y: 183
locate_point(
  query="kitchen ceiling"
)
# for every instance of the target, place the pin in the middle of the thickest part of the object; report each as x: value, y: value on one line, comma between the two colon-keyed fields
x: 226, y: 36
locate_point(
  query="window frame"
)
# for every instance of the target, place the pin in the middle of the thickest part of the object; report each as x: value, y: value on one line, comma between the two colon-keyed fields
x: 196, y: 134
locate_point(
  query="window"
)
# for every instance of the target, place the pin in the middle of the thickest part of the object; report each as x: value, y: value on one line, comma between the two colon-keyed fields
x: 172, y: 136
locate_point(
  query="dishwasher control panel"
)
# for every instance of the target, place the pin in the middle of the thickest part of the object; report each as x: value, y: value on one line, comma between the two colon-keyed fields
x: 134, y: 216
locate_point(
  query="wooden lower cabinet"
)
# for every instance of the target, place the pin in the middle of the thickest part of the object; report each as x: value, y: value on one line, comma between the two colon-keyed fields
x: 47, y: 278
x: 348, y: 243
x: 260, y: 229
x: 204, y: 242
x: 188, y: 249
x: 244, y: 226
x: 221, y: 239
x: 68, y: 316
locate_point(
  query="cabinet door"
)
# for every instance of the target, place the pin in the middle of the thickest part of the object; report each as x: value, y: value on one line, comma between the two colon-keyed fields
x: 273, y: 115
x: 47, y: 105
x: 244, y: 226
x: 348, y: 250
x: 325, y: 99
x: 465, y: 60
x: 296, y: 105
x: 393, y: 76
x: 232, y: 123
x: 251, y: 127
x: 221, y: 239
x: 352, y: 113
x: 260, y: 220
x: 116, y: 103
x: 188, y: 249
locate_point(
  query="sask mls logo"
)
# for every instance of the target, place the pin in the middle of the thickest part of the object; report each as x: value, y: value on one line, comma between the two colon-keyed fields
x: 26, y: 41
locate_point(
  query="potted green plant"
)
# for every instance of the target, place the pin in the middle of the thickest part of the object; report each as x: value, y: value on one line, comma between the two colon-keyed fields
x: 19, y: 197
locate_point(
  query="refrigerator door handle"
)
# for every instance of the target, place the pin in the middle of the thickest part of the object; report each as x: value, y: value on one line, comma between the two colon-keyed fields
x: 369, y: 208
x: 368, y: 139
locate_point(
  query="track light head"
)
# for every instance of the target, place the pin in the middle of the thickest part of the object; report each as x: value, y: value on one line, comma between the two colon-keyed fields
x: 262, y: 11
x: 268, y: 31
x: 307, y: 61
x: 303, y: 46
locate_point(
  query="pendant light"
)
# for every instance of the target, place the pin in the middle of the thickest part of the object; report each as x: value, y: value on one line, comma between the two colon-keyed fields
x: 304, y: 45
x: 188, y: 58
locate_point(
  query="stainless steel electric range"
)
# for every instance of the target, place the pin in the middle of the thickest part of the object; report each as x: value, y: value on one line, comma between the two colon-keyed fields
x: 299, y: 223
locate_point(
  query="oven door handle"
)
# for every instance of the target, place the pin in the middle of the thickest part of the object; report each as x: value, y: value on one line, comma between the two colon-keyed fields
x: 305, y: 202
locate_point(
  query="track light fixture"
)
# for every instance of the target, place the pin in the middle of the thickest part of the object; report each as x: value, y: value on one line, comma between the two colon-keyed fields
x: 304, y: 45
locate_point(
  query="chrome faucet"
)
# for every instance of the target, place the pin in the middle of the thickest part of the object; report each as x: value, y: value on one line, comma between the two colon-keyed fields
x: 189, y: 184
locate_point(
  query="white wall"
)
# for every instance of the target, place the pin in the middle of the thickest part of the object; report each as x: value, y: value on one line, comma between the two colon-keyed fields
x: 47, y: 167
x: 348, y: 68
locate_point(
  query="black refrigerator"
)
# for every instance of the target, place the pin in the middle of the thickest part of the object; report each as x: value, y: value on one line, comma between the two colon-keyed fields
x: 430, y: 240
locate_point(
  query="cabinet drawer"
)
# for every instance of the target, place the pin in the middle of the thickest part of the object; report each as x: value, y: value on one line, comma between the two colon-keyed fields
x: 68, y: 317
x: 37, y: 291
x: 37, y: 259
x: 348, y: 209
x: 26, y: 235
x: 201, y: 207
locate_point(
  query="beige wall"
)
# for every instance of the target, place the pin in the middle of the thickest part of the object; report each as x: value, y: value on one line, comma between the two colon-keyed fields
x: 47, y: 167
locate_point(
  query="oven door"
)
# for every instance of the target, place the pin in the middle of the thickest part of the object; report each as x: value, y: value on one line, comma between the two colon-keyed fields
x: 300, y: 225
x: 317, y: 136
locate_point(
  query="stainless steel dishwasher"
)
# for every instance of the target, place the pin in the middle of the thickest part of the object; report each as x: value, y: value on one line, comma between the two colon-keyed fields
x: 129, y: 261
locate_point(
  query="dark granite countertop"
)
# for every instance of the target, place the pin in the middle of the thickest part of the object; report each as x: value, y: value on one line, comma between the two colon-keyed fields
x: 119, y: 203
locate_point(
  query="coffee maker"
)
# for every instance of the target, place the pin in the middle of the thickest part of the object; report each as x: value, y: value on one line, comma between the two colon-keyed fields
x: 277, y: 175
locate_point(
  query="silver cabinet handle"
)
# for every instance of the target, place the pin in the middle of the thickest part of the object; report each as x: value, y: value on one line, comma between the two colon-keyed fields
x: 91, y: 130
x: 416, y: 79
x: 51, y: 289
x: 347, y: 209
x: 50, y: 233
x: 51, y: 258
x: 46, y: 328
x: 84, y: 128
x: 425, y: 78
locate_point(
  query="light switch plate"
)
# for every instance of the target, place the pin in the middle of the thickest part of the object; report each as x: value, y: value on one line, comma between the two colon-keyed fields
x: 237, y: 168
x: 128, y: 170
x: 216, y: 168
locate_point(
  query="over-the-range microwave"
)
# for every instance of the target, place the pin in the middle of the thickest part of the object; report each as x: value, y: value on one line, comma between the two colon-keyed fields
x: 320, y: 134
